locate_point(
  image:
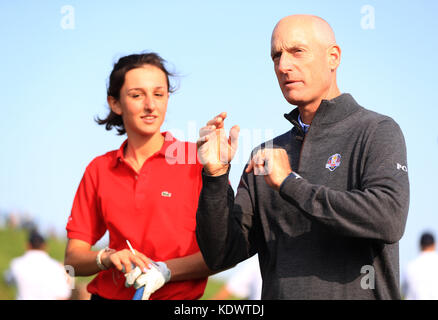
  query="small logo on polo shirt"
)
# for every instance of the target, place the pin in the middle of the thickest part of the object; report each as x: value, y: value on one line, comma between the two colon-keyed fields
x: 166, y: 194
x: 404, y: 168
x: 333, y: 162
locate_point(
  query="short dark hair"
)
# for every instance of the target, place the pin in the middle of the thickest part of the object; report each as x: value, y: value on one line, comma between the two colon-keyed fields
x: 427, y: 240
x: 117, y: 79
x: 36, y: 240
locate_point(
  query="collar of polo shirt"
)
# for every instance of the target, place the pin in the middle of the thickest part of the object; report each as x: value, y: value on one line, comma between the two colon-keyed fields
x: 168, y: 140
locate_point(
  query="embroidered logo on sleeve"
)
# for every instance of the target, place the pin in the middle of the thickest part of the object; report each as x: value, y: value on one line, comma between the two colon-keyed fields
x: 333, y: 162
x: 166, y: 194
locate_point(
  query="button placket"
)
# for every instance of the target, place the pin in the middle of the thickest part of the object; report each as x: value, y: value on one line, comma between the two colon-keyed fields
x: 141, y: 188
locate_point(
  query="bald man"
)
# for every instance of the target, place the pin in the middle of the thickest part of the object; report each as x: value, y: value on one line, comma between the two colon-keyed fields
x: 325, y: 204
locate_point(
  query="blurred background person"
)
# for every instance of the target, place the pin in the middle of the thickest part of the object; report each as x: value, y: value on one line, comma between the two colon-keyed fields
x: 36, y: 275
x: 245, y: 283
x: 80, y: 292
x: 421, y: 278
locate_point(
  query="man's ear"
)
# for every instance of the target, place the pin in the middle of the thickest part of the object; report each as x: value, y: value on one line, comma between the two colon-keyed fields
x: 334, y: 56
x: 114, y: 105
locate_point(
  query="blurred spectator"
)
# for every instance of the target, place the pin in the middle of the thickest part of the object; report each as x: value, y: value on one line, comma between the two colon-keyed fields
x: 245, y: 283
x: 13, y: 220
x: 421, y: 278
x: 36, y: 275
x: 80, y: 292
x: 2, y: 220
x: 27, y: 222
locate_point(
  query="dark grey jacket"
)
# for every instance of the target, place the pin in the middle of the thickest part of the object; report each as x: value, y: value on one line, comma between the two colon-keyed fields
x: 331, y: 235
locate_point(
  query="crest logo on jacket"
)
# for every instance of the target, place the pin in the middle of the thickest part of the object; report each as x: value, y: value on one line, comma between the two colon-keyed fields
x: 333, y: 162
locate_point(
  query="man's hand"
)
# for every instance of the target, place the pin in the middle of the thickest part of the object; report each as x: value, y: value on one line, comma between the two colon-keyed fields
x: 215, y: 150
x: 273, y: 164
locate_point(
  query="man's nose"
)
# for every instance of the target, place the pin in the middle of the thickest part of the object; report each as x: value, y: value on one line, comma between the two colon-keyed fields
x: 285, y: 63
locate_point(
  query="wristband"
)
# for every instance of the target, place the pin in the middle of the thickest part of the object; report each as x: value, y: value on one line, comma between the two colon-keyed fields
x: 98, y: 259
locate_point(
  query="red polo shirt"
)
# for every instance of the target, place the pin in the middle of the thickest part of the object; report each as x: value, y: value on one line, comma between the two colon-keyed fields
x: 155, y: 210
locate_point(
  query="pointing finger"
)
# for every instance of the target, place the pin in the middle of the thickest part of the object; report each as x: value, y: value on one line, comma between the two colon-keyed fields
x: 250, y: 166
x: 252, y: 163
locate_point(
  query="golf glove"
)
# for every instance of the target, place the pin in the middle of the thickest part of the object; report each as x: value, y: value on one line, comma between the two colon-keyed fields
x: 152, y: 280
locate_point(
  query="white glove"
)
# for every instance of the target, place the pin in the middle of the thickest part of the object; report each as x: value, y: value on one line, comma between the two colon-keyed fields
x: 152, y: 280
x: 132, y: 276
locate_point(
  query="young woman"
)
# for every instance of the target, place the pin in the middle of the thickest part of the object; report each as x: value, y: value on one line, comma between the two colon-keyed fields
x: 145, y: 192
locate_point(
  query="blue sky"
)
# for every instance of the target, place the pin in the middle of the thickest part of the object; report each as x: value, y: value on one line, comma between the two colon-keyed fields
x: 53, y: 84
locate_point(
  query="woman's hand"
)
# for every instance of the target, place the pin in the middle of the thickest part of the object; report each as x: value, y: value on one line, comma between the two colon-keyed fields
x: 78, y: 254
x: 124, y: 260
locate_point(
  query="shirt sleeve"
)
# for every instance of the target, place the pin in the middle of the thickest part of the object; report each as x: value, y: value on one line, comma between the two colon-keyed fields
x: 86, y: 222
x: 379, y: 209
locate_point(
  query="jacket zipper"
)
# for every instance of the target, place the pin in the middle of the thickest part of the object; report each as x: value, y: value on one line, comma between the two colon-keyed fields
x: 301, y: 152
x: 300, y: 130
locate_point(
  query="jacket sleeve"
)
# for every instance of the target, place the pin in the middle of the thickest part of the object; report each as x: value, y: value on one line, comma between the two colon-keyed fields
x: 226, y: 226
x: 379, y: 209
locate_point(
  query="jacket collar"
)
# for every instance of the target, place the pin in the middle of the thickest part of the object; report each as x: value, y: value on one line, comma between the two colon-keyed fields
x: 329, y: 111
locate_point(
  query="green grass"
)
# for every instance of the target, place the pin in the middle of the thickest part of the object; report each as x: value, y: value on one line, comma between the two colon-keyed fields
x: 211, y: 289
x: 13, y: 244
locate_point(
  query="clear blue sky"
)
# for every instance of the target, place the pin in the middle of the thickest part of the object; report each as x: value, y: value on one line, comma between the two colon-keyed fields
x: 53, y: 83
